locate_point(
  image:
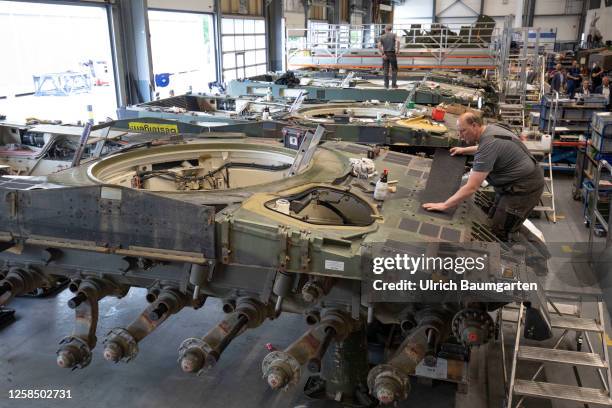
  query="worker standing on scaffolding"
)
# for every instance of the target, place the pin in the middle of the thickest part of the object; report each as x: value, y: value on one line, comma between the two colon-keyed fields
x: 388, y: 45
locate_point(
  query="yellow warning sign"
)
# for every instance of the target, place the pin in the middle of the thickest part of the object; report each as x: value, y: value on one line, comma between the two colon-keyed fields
x: 153, y: 127
x: 608, y: 341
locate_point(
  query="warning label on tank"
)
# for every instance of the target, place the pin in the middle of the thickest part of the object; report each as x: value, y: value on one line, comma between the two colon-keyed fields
x: 334, y: 265
x: 153, y: 127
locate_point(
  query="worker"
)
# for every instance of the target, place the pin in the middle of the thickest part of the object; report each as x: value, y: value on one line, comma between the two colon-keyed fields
x: 604, y: 89
x: 596, y: 76
x: 557, y: 78
x: 531, y: 74
x: 503, y: 160
x: 586, y: 88
x: 573, y: 79
x: 388, y: 45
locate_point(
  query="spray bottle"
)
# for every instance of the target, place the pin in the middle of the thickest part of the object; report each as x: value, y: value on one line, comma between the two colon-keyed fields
x: 382, y: 188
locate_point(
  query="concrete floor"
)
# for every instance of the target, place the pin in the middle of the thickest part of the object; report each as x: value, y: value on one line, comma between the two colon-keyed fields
x: 153, y: 379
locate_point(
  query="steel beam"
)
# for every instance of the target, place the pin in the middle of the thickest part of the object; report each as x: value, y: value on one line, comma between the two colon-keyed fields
x: 137, y: 50
x: 274, y: 17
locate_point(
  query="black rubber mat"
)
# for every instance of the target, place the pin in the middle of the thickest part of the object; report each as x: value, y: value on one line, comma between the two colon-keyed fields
x: 7, y: 316
x: 444, y: 179
x: 398, y: 158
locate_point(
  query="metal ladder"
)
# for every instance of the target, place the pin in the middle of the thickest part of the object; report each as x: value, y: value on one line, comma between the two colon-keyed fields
x: 594, y: 214
x: 541, y: 146
x: 559, y: 318
x: 548, y: 195
x: 513, y: 114
x: 549, y: 190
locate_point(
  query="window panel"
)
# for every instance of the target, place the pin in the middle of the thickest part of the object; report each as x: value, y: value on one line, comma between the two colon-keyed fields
x: 248, y: 36
x: 260, y: 56
x: 228, y: 43
x: 227, y: 26
x: 251, y: 71
x: 249, y: 42
x: 229, y: 74
x: 238, y: 26
x: 229, y: 60
x: 260, y: 41
x: 249, y: 26
x: 250, y: 57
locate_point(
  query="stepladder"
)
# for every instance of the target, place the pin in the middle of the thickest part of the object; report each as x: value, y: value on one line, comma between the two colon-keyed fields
x: 589, y: 352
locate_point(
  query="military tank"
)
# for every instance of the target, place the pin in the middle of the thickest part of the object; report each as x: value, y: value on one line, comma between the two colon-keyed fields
x: 268, y: 229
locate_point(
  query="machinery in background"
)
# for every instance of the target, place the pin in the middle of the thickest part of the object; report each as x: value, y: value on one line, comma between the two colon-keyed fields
x: 42, y: 149
x: 379, y: 123
x: 206, y: 110
x: 329, y: 86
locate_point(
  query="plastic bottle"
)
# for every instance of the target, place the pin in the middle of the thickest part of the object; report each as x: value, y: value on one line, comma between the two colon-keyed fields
x: 382, y: 188
x: 266, y: 113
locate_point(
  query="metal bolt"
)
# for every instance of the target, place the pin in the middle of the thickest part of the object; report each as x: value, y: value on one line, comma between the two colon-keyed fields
x: 158, y: 312
x: 191, y: 362
x: 276, y: 378
x: 77, y: 300
x: 66, y: 359
x: 113, y: 352
x: 386, y: 390
x: 385, y: 395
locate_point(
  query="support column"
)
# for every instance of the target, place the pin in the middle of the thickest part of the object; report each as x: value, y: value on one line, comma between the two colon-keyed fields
x: 335, y: 18
x: 218, y: 48
x: 134, y: 41
x: 518, y: 15
x: 275, y: 34
x: 529, y: 13
x: 367, y: 20
x: 581, y: 24
x: 434, y: 11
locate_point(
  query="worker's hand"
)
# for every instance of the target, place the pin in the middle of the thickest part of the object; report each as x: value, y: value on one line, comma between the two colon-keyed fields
x: 384, y: 56
x: 456, y: 150
x: 435, y: 206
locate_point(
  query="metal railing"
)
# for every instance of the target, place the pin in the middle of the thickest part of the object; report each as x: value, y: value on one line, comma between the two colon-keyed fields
x: 337, y: 41
x: 594, y: 214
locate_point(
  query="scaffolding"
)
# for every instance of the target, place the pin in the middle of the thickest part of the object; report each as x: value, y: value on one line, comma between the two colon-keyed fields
x: 520, y: 65
x: 422, y: 46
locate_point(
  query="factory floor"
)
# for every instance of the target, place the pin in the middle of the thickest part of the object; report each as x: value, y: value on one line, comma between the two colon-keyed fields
x: 153, y: 379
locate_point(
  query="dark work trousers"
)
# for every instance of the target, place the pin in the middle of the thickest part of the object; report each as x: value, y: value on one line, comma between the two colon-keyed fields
x: 391, y: 60
x: 514, y: 203
x: 571, y: 88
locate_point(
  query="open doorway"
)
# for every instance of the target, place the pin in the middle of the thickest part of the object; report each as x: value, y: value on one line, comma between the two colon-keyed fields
x: 183, y: 51
x: 57, y: 61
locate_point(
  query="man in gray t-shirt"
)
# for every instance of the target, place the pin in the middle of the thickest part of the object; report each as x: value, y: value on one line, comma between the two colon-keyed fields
x: 504, y: 161
x: 388, y: 46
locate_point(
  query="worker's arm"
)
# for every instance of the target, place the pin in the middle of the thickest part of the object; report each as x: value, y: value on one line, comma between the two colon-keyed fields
x: 473, y: 184
x: 454, y: 151
x: 381, y: 50
x: 397, y: 44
